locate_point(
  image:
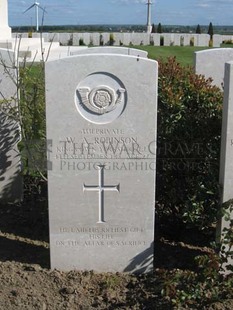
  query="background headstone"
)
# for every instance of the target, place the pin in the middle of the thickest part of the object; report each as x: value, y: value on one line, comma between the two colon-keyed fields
x: 117, y: 38
x: 217, y: 40
x: 5, y: 30
x: 65, y: 38
x: 95, y: 39
x: 167, y: 39
x: 127, y: 38
x: 226, y: 161
x: 155, y: 37
x: 203, y: 39
x: 211, y: 63
x: 10, y: 164
x: 112, y: 50
x: 101, y: 118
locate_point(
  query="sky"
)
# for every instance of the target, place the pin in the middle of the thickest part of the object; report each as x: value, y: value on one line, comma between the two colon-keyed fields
x: 83, y: 12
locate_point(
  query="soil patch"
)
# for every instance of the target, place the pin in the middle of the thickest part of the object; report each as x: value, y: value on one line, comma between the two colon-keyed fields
x: 26, y: 282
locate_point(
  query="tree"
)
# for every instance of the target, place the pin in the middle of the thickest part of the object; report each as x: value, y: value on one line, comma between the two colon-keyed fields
x: 198, y: 30
x: 211, y: 30
x: 153, y: 28
x: 159, y: 29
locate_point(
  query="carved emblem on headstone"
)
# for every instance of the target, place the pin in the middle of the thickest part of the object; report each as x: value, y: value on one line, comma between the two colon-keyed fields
x: 100, y: 98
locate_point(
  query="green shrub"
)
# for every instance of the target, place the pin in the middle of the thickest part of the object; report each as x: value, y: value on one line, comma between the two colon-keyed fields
x: 228, y: 42
x: 101, y: 40
x: 208, y: 284
x: 189, y: 129
x: 111, y: 39
x: 32, y: 118
x: 152, y: 43
x: 161, y: 40
x: 70, y: 41
x: 81, y: 42
x: 191, y: 41
x: 181, y: 41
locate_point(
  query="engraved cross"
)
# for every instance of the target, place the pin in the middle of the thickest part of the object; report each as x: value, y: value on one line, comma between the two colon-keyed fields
x: 101, y: 188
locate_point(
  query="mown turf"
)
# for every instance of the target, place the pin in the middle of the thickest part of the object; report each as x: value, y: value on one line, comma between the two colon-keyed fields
x: 183, y: 54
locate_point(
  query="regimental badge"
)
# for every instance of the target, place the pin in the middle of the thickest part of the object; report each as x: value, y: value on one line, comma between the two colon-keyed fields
x: 101, y: 99
x: 100, y: 103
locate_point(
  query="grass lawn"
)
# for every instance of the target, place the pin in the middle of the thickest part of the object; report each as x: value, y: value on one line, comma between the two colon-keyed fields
x: 183, y: 54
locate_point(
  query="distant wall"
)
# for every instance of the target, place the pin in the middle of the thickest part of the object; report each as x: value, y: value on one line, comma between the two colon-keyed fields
x: 127, y: 38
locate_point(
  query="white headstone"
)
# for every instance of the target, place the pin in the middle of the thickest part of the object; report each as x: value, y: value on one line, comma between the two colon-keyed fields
x: 155, y: 37
x: 65, y: 38
x: 76, y: 39
x: 5, y: 30
x: 167, y: 39
x: 112, y: 50
x: 117, y: 38
x: 185, y: 39
x: 105, y: 38
x: 10, y: 163
x: 101, y: 118
x: 86, y: 38
x: 95, y: 39
x: 176, y: 39
x: 127, y: 38
x: 137, y: 38
x: 194, y: 40
x: 217, y: 40
x: 226, y: 161
x: 203, y: 39
x: 211, y: 63
x: 53, y: 37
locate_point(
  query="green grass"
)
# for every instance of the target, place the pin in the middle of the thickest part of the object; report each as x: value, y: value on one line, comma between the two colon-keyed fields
x: 183, y: 54
x: 227, y: 45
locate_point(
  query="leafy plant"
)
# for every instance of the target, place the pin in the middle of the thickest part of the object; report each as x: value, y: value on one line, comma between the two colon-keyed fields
x: 32, y: 117
x: 189, y: 129
x: 81, y: 42
x: 111, y: 39
x: 196, y: 290
x: 226, y: 237
x: 70, y: 41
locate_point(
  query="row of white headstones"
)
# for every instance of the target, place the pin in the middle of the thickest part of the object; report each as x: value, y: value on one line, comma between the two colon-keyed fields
x: 113, y: 234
